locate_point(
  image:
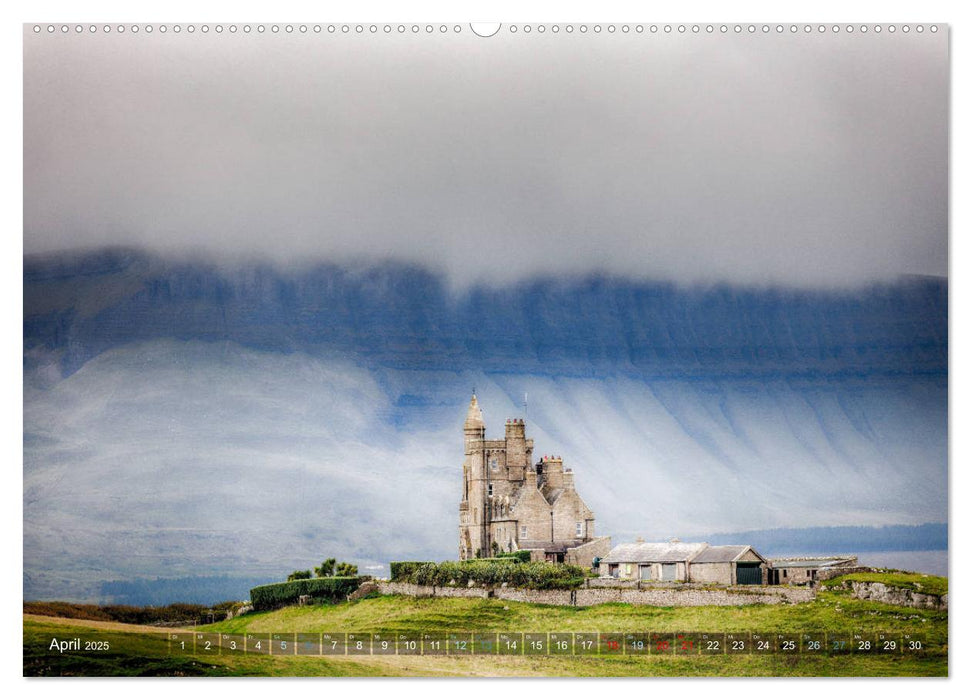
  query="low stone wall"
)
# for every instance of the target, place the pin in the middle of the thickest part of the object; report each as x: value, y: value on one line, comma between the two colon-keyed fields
x: 612, y: 583
x: 693, y: 596
x: 527, y: 595
x: 680, y: 596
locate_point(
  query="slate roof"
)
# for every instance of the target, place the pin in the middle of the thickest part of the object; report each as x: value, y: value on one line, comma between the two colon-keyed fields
x: 722, y: 553
x: 654, y: 552
x: 806, y: 563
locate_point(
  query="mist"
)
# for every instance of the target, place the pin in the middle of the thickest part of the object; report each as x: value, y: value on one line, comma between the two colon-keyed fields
x: 816, y: 160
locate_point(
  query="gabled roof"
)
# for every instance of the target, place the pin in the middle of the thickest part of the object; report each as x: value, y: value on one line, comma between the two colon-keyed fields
x: 642, y: 552
x: 550, y: 494
x: 723, y: 553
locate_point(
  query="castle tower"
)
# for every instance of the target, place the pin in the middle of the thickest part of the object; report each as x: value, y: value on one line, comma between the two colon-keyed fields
x: 474, y: 509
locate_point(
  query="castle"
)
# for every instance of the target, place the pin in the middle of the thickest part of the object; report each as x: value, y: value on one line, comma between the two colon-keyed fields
x: 509, y: 503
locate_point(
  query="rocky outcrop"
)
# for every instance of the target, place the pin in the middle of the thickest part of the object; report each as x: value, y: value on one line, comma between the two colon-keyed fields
x: 882, y: 593
x: 364, y: 590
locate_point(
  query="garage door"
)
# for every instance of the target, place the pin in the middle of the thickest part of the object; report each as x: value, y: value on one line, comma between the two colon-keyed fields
x: 749, y: 574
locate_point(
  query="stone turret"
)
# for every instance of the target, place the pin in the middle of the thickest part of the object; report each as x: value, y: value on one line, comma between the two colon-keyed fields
x: 475, y: 507
x: 474, y: 425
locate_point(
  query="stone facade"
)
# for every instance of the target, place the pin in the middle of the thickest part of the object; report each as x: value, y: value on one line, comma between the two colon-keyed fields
x: 510, y: 503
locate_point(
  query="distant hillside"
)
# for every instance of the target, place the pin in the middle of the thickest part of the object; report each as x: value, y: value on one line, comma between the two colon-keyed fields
x: 839, y: 540
x: 403, y: 317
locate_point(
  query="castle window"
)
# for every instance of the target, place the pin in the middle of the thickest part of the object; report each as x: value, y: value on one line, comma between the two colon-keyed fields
x: 522, y: 532
x: 494, y: 463
x: 490, y: 489
x: 579, y: 529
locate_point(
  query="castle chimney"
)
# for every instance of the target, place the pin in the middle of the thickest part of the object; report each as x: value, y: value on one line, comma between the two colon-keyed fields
x: 553, y: 472
x: 530, y: 479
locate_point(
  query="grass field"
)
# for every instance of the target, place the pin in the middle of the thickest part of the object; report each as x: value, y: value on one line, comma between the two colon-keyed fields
x: 140, y: 650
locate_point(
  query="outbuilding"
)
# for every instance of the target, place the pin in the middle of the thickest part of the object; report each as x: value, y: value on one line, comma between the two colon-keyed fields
x: 729, y: 564
x: 685, y: 562
x: 651, y: 561
x: 800, y: 570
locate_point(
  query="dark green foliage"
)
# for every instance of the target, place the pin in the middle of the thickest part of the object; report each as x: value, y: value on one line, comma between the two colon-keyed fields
x: 537, y: 575
x: 299, y: 575
x: 321, y: 590
x: 522, y: 555
x: 345, y: 569
x: 326, y: 568
x: 402, y: 570
x: 131, y: 614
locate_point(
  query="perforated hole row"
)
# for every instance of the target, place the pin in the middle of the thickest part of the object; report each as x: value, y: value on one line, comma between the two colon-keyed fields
x: 512, y: 28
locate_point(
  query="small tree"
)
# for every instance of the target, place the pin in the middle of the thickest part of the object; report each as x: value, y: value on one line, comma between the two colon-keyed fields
x: 298, y: 575
x: 326, y: 568
x: 345, y: 569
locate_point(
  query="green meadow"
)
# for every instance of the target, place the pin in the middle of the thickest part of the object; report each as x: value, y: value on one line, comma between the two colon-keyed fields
x: 141, y: 650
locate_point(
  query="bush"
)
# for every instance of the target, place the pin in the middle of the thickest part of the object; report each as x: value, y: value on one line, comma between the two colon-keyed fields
x: 489, y: 572
x: 326, y: 568
x: 522, y: 555
x: 345, y: 569
x: 402, y: 570
x: 321, y: 590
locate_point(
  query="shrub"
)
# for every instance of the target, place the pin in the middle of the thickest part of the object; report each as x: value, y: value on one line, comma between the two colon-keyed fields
x: 321, y: 590
x: 489, y: 572
x: 299, y: 575
x: 326, y: 568
x: 345, y: 569
x: 522, y: 555
x: 402, y: 570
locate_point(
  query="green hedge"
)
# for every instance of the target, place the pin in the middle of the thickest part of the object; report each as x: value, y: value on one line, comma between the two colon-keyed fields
x: 402, y: 570
x: 537, y: 575
x: 522, y: 555
x: 330, y: 590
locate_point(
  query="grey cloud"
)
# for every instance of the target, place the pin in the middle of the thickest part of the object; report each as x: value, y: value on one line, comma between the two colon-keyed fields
x: 811, y: 160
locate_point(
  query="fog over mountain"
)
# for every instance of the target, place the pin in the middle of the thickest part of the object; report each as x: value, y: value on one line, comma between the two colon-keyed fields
x: 811, y: 159
x: 184, y: 418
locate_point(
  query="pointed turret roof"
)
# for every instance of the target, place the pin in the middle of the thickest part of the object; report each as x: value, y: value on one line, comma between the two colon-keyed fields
x: 473, y: 421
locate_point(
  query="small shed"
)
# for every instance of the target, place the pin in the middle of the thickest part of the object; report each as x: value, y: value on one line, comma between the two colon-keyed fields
x: 729, y: 564
x: 799, y: 570
x: 651, y: 561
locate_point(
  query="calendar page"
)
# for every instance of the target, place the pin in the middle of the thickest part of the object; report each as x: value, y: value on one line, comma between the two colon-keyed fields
x: 464, y: 349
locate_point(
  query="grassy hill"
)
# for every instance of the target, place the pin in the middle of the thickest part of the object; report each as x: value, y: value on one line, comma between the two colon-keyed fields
x: 141, y: 650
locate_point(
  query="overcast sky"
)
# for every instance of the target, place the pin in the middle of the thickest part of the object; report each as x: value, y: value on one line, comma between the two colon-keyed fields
x: 814, y: 159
